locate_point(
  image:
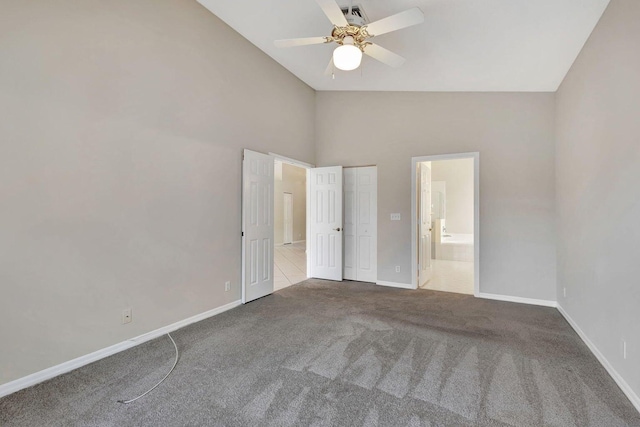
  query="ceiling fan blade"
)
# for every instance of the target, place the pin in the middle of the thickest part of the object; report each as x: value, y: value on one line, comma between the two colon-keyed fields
x: 300, y: 42
x: 395, y: 22
x: 333, y: 12
x: 329, y: 70
x: 383, y: 55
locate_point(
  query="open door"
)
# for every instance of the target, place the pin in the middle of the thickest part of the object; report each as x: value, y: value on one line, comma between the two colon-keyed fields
x: 425, y: 224
x: 257, y: 225
x: 325, y: 223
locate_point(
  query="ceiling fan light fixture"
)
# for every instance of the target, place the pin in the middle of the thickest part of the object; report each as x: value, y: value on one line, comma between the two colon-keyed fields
x: 347, y: 57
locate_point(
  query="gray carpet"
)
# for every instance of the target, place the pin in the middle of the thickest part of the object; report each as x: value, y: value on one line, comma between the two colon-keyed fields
x: 345, y: 354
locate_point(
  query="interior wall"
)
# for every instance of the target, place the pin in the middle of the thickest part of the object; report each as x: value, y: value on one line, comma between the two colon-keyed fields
x: 458, y: 175
x: 514, y: 133
x: 598, y: 198
x: 123, y: 124
x: 293, y: 180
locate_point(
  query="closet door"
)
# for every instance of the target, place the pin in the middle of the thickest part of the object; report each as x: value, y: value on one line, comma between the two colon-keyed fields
x: 350, y: 220
x: 361, y: 224
x: 367, y: 224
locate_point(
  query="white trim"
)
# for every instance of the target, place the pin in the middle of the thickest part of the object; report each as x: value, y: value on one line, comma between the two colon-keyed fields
x: 291, y: 161
x: 626, y: 389
x: 307, y: 246
x: 519, y: 300
x: 54, y: 371
x: 298, y: 241
x: 476, y: 214
x: 395, y: 284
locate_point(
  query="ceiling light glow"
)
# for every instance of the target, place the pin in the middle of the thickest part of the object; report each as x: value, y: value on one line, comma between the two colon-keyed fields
x: 347, y: 57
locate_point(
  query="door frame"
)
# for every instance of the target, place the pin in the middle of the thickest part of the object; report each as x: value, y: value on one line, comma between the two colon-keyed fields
x: 476, y: 213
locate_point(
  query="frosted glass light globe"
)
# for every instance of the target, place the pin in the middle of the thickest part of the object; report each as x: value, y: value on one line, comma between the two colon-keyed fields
x: 347, y: 57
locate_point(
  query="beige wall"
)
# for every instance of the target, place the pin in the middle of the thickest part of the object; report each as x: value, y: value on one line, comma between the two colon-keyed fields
x: 294, y: 181
x: 598, y: 197
x: 122, y: 128
x: 514, y: 134
x: 458, y: 175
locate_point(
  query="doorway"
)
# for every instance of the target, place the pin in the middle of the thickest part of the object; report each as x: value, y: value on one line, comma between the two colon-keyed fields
x: 445, y: 206
x: 290, y: 218
x: 268, y: 264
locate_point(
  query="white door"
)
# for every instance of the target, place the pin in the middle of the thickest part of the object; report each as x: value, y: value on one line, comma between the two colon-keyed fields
x: 350, y: 224
x: 425, y: 224
x: 288, y: 218
x: 360, y: 224
x: 257, y: 225
x: 325, y: 223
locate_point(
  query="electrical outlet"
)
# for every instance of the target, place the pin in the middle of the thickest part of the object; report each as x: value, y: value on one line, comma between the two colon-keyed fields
x: 397, y: 269
x: 624, y: 349
x: 564, y: 292
x: 227, y: 286
x: 126, y: 316
x: 395, y: 217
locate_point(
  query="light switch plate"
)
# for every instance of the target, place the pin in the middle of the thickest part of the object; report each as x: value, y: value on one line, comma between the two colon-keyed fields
x: 126, y: 315
x: 395, y: 217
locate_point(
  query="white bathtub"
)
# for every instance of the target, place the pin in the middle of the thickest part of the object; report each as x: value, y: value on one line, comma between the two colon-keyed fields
x: 455, y: 247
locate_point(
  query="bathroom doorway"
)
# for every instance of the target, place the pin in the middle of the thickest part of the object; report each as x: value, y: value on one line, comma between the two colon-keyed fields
x: 445, y: 208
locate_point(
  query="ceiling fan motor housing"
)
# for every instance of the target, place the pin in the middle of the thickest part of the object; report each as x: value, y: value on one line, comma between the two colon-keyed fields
x: 358, y: 34
x: 354, y: 20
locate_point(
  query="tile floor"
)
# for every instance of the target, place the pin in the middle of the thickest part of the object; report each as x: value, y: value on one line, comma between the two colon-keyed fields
x: 290, y: 265
x: 451, y: 276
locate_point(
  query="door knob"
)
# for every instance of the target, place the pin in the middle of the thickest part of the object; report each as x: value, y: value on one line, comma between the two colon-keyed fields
x: 337, y: 229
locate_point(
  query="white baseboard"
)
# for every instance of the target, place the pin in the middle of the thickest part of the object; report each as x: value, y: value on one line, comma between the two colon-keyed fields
x: 626, y: 389
x: 395, y: 284
x: 520, y: 300
x: 54, y: 371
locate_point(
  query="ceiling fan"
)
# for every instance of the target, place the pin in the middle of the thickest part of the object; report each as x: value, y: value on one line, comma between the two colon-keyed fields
x: 352, y: 35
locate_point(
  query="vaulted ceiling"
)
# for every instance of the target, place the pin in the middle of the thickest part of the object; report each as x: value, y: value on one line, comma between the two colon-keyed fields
x: 463, y: 45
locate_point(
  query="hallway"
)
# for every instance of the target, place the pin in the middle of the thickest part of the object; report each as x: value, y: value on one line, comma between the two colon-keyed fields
x: 290, y: 265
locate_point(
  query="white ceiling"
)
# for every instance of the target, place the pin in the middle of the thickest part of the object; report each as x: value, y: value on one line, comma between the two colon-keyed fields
x: 463, y: 45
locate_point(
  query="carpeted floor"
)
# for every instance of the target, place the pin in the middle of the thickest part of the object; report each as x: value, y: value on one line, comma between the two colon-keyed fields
x: 345, y: 354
